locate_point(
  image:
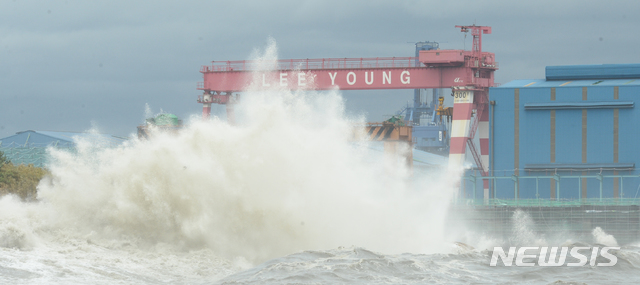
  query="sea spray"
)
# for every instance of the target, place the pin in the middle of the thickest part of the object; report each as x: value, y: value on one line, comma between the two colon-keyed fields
x: 193, y: 207
x: 16, y: 227
x: 601, y: 237
x: 523, y: 233
x: 287, y: 178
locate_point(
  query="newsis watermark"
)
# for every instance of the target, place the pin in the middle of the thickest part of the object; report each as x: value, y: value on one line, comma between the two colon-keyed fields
x: 527, y: 256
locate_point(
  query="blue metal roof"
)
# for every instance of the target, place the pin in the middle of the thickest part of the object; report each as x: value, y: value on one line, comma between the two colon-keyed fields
x: 587, y: 72
x: 583, y: 76
x: 29, y: 147
x: 541, y: 83
x: 50, y: 138
x: 70, y: 136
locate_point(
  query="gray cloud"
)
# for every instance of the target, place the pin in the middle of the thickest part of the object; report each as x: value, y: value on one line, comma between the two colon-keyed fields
x: 66, y: 64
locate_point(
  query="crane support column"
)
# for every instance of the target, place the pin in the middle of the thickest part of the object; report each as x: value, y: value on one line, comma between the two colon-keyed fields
x: 231, y: 113
x: 206, y: 105
x: 483, y: 129
x: 217, y: 97
x: 462, y: 108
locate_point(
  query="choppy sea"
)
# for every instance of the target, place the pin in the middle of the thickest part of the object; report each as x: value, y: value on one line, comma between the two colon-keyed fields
x: 283, y: 197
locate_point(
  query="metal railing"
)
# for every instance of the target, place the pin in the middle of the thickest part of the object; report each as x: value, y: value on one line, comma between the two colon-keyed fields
x: 319, y: 63
x: 517, y: 180
x: 540, y: 202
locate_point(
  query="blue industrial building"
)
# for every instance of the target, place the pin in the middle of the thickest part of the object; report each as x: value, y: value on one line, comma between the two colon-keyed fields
x: 29, y: 147
x: 572, y: 135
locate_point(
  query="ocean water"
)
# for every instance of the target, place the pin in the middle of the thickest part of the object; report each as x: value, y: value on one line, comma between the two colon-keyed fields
x: 284, y: 197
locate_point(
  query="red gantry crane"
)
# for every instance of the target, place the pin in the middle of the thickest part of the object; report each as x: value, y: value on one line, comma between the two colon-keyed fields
x: 468, y: 73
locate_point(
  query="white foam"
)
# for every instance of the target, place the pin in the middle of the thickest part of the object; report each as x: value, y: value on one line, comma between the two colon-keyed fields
x: 601, y: 237
x: 286, y: 178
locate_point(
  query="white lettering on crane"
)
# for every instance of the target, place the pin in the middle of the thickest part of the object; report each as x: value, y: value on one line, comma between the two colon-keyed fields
x: 283, y: 79
x: 403, y: 79
x: 386, y: 77
x: 264, y: 81
x: 333, y: 78
x: 463, y: 96
x: 301, y: 79
x: 366, y: 78
x: 352, y: 74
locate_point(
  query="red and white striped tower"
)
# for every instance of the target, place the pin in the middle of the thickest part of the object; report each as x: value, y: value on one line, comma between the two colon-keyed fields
x: 231, y: 113
x: 206, y: 105
x: 460, y: 124
x: 483, y: 133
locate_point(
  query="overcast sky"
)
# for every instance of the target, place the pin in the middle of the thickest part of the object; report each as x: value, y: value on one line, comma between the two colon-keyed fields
x: 71, y: 65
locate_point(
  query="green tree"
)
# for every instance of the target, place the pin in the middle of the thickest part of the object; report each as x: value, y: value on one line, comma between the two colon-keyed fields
x: 3, y: 172
x: 3, y: 159
x: 20, y: 180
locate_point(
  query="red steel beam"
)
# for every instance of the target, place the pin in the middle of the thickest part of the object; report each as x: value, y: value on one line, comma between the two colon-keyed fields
x: 458, y: 69
x: 343, y: 79
x: 432, y: 69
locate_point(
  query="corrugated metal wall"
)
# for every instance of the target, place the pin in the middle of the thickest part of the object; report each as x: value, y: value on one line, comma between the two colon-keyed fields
x: 578, y: 136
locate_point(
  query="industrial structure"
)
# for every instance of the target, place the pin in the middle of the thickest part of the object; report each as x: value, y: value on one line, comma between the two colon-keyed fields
x: 579, y: 121
x: 393, y: 133
x: 30, y: 147
x: 468, y: 73
x: 161, y: 122
x: 563, y: 149
x: 559, y: 149
x: 431, y: 121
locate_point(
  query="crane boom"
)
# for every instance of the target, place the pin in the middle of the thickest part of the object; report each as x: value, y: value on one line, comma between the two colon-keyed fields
x: 468, y: 73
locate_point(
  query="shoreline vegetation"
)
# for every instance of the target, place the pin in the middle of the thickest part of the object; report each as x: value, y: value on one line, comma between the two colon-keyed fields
x: 20, y: 180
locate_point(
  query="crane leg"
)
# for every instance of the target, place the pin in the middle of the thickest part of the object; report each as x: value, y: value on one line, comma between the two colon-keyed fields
x: 483, y: 132
x: 231, y: 114
x: 206, y: 106
x: 460, y: 124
